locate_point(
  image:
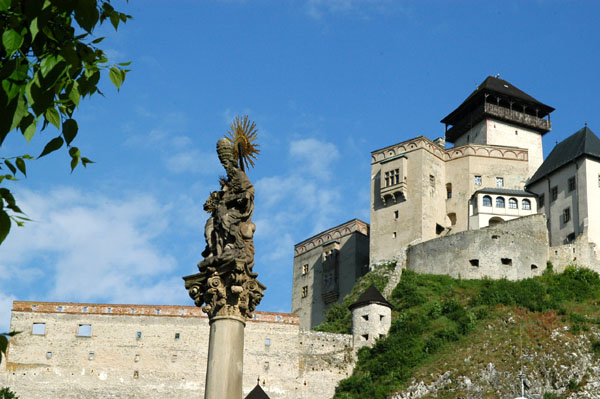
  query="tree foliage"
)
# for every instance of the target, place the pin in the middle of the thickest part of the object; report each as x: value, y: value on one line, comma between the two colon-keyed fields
x: 49, y: 61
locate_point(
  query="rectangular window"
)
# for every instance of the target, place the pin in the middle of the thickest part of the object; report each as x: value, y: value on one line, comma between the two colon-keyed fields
x: 572, y: 184
x: 387, y: 179
x: 91, y: 356
x: 48, y: 355
x: 305, y: 291
x: 268, y: 342
x: 138, y: 335
x: 305, y: 269
x: 499, y: 181
x: 396, y: 214
x: 478, y: 180
x: 60, y: 308
x: 39, y: 329
x: 85, y: 330
x: 541, y: 201
x: 432, y: 180
x: 109, y: 310
x: 554, y: 193
x: 566, y: 215
x: 85, y: 309
x: 176, y: 335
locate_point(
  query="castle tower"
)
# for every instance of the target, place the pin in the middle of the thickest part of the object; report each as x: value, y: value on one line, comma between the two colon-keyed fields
x: 498, y: 113
x: 371, y: 317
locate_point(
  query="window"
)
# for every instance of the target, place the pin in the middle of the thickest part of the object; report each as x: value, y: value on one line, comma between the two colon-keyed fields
x: 136, y: 358
x: 541, y: 201
x: 268, y: 342
x: 487, y: 200
x: 85, y: 330
x: 138, y: 335
x: 506, y: 261
x: 394, y: 234
x: 432, y: 180
x: 554, y: 193
x: 392, y: 177
x: 478, y: 180
x: 39, y: 329
x: 449, y: 190
x: 571, y: 183
x: 566, y: 215
x: 500, y: 202
x: 177, y: 335
x: 499, y: 181
x: 526, y: 205
x: 365, y: 337
x: 304, y: 269
x: 365, y: 317
x: 48, y: 355
x: 183, y: 312
x: 396, y: 214
x: 34, y: 308
x: 157, y: 311
x: 132, y: 310
x: 91, y: 356
x: 512, y: 203
x: 85, y: 309
x: 598, y: 179
x: 60, y: 308
x: 305, y: 291
x: 136, y: 374
x: 109, y: 310
x: 474, y: 262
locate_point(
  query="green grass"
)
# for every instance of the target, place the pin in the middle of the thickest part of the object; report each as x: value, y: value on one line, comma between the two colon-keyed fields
x: 434, y: 313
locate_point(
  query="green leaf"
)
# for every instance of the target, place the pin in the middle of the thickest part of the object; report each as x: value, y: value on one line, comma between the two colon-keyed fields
x: 114, y: 19
x: 10, y: 166
x: 4, y: 229
x: 52, y: 146
x: 86, y: 14
x: 85, y: 161
x: 98, y: 40
x: 70, y: 129
x: 4, y: 5
x: 124, y: 63
x: 21, y: 165
x: 11, y: 40
x: 28, y: 127
x: 20, y: 112
x: 53, y: 117
x: 48, y: 64
x: 33, y: 28
x: 115, y: 77
x: 74, y: 93
x: 75, y: 156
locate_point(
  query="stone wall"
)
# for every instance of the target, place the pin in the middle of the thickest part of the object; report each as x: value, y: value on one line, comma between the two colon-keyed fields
x: 514, y: 249
x: 140, y: 351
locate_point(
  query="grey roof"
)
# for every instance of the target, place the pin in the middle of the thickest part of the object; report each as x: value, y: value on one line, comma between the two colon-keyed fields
x: 582, y: 142
x: 257, y: 393
x: 504, y: 191
x: 494, y: 85
x: 371, y: 295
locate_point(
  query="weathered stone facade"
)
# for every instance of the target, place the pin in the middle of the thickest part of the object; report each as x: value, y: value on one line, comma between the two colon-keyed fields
x: 326, y: 267
x: 140, y: 351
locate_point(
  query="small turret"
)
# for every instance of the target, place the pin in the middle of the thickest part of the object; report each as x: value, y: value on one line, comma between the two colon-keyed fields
x: 371, y: 317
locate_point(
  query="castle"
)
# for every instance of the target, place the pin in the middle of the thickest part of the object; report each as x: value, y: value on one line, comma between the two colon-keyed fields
x: 480, y: 202
x: 487, y: 206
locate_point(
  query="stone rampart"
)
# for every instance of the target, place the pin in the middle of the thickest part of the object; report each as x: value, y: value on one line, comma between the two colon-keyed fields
x: 144, y: 351
x: 514, y: 250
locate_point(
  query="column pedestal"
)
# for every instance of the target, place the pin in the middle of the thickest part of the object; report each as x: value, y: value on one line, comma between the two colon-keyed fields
x: 224, y: 371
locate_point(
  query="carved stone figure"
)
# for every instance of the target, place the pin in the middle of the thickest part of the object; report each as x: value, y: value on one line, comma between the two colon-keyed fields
x: 225, y: 284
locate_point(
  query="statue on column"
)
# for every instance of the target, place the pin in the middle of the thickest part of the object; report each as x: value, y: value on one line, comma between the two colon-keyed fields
x: 225, y: 284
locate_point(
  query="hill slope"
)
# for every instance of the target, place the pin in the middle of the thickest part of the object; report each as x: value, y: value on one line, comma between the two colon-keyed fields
x: 453, y: 338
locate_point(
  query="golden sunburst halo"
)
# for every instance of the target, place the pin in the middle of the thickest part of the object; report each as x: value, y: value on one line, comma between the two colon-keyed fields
x: 242, y: 134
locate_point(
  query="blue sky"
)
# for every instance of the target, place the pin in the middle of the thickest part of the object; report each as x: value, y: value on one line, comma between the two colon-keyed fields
x: 326, y: 82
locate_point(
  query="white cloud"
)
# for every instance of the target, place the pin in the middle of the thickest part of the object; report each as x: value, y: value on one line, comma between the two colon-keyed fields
x: 314, y: 156
x: 93, y: 248
x: 194, y: 161
x: 318, y: 8
x: 5, y: 308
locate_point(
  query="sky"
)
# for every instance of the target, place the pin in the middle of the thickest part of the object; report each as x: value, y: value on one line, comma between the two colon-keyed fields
x: 326, y: 82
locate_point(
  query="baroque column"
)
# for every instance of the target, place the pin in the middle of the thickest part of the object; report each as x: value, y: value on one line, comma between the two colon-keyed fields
x: 225, y: 287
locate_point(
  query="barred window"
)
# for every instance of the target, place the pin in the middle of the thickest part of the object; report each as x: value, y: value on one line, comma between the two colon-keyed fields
x: 572, y: 184
x: 500, y: 202
x: 487, y: 201
x: 512, y: 203
x: 526, y: 205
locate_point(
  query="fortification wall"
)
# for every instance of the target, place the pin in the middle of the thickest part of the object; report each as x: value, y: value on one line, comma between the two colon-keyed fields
x: 139, y: 351
x: 514, y: 249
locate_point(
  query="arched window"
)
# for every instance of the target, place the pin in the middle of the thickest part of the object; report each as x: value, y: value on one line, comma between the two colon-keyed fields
x: 500, y: 202
x: 526, y: 205
x: 487, y: 200
x: 512, y: 203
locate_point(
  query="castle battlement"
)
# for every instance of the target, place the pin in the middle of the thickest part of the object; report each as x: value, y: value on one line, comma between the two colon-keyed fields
x: 422, y: 142
x: 354, y: 225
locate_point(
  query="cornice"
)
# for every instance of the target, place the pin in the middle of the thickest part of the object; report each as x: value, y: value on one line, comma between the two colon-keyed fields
x: 335, y: 233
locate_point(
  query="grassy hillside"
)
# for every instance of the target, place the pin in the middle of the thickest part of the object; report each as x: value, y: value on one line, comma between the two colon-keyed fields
x: 481, y: 332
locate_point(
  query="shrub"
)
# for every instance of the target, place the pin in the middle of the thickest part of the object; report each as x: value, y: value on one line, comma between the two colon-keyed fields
x: 6, y: 393
x: 550, y: 395
x: 596, y: 347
